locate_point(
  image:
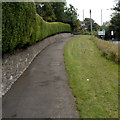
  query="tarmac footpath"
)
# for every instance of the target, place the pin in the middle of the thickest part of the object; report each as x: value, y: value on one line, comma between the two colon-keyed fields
x: 42, y: 91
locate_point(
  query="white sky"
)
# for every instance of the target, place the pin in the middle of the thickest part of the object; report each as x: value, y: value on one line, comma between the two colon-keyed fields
x: 95, y: 6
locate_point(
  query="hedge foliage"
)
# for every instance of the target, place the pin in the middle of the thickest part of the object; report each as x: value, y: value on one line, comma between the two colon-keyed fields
x: 22, y: 26
x: 109, y: 50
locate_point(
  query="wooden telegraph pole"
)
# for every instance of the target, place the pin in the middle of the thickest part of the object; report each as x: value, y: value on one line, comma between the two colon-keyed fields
x: 90, y: 21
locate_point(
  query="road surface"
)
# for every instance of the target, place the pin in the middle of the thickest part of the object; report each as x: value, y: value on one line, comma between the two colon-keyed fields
x: 42, y: 91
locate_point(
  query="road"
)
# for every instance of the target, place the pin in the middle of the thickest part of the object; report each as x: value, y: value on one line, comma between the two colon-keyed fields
x: 42, y: 91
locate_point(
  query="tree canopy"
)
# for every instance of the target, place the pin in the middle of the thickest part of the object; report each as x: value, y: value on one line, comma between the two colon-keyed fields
x: 113, y: 24
x: 72, y: 17
x: 115, y: 21
x: 46, y: 11
x: 59, y: 12
x: 87, y: 24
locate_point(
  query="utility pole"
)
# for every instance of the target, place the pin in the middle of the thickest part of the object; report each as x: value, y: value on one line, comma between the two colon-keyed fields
x: 101, y: 16
x: 83, y: 14
x: 90, y: 22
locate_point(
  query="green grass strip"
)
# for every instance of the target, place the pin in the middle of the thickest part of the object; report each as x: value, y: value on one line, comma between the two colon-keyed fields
x: 93, y: 79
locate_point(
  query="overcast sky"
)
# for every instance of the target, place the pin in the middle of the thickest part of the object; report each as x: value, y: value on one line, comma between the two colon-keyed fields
x: 95, y: 6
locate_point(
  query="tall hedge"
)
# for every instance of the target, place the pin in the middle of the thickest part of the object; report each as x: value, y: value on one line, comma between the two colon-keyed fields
x: 22, y: 26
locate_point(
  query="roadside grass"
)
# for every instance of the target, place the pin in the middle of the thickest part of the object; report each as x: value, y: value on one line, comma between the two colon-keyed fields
x: 93, y: 79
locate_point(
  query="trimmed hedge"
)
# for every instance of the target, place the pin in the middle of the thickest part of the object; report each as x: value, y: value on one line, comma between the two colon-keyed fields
x: 22, y: 26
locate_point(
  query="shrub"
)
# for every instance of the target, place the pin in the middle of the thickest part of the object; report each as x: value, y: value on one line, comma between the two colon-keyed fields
x: 22, y: 26
x: 109, y: 50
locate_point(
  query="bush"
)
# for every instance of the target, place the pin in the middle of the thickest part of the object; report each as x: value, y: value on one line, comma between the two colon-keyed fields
x: 22, y: 26
x: 109, y: 50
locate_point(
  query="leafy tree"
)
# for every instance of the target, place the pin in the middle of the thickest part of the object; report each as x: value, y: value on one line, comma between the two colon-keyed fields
x: 88, y: 25
x: 59, y: 8
x: 57, y: 11
x: 117, y: 8
x: 115, y: 21
x: 71, y: 17
x: 107, y: 26
x: 116, y: 25
x: 45, y: 10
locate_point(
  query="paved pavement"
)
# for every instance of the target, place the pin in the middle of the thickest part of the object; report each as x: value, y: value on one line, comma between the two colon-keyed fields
x: 42, y: 91
x: 115, y: 42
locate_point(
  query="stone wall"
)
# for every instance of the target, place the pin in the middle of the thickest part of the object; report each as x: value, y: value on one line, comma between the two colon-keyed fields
x: 14, y: 65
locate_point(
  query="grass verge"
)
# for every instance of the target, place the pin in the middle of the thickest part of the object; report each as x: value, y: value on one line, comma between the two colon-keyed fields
x: 93, y: 79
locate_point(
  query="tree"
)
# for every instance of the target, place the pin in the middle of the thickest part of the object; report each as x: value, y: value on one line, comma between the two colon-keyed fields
x: 88, y: 26
x: 107, y: 27
x: 117, y: 8
x: 72, y: 17
x: 45, y: 10
x: 59, y: 8
x: 57, y: 11
x: 115, y: 21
